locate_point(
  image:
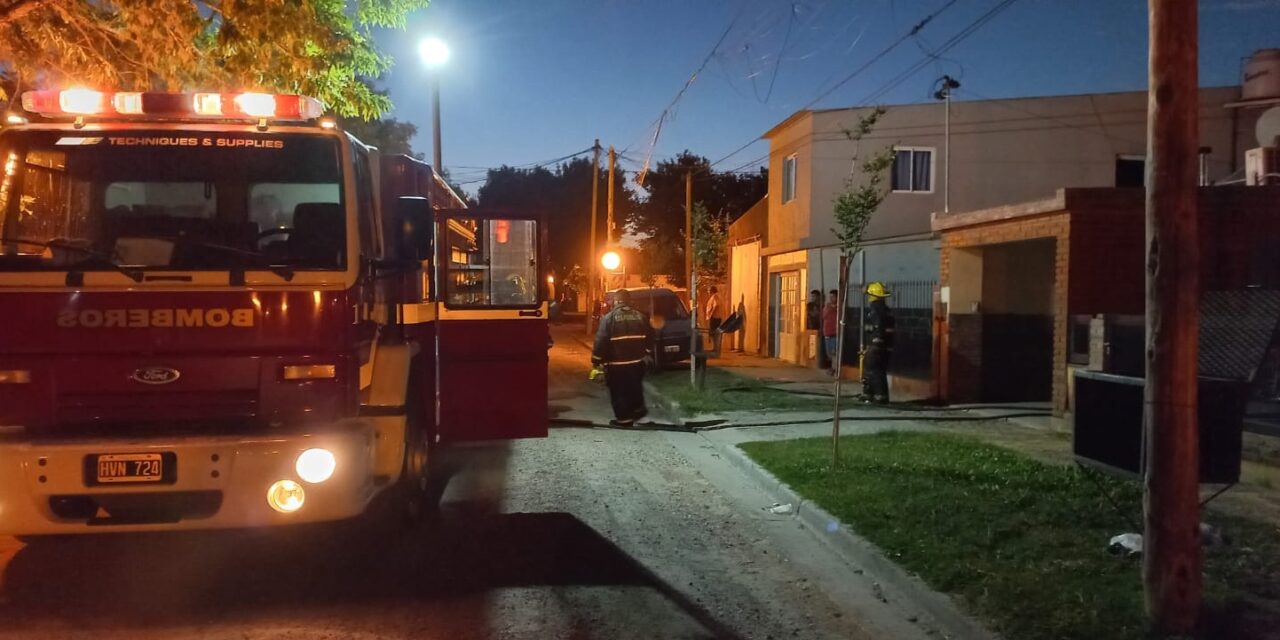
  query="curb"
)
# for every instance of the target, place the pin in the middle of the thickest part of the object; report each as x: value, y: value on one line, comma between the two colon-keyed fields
x: 668, y: 405
x: 859, y: 552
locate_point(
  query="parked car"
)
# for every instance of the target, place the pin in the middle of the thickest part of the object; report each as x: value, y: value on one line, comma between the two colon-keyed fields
x: 669, y: 317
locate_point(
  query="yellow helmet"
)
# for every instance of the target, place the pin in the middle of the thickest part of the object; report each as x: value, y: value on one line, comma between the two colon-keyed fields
x: 877, y: 290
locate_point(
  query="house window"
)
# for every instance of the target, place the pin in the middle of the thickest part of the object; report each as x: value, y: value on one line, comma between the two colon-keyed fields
x: 913, y: 170
x: 788, y: 179
x: 1131, y: 171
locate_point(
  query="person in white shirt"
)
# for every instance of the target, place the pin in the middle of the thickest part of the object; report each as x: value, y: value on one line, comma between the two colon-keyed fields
x: 714, y: 315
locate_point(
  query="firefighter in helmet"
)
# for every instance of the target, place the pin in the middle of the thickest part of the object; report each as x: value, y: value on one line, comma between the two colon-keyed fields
x: 622, y: 346
x: 879, y: 345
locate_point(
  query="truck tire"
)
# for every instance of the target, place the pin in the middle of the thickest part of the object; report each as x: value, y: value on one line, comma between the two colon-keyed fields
x: 412, y: 497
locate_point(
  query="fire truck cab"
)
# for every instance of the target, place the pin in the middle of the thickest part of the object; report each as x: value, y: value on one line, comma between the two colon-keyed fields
x: 223, y: 311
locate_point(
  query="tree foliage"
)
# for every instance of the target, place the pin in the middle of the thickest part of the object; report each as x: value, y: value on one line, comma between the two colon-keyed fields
x: 660, y: 217
x: 858, y: 202
x: 710, y: 245
x: 563, y: 195
x: 390, y: 136
x: 321, y: 48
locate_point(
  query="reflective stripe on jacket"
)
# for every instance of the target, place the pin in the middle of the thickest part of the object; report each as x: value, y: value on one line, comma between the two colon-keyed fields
x: 623, y: 338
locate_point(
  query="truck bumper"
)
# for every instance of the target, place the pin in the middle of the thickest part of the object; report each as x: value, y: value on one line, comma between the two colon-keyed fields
x: 220, y: 482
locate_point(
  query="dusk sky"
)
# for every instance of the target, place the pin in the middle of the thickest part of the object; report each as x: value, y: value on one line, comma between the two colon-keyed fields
x: 530, y: 81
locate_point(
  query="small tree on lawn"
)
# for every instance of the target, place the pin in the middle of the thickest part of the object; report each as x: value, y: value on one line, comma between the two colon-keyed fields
x: 710, y: 240
x: 854, y: 208
x: 710, y: 252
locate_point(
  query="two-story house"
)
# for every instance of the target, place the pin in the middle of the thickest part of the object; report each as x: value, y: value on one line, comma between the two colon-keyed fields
x: 1001, y: 151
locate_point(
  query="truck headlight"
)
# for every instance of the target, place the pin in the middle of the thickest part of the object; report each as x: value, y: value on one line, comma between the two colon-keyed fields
x: 315, y: 465
x: 286, y: 496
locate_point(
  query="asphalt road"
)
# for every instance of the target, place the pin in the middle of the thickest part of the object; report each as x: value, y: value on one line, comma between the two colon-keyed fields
x: 590, y: 533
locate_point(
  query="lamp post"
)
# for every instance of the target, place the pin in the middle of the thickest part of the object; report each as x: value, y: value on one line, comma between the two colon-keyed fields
x: 947, y: 85
x: 611, y: 261
x: 434, y: 54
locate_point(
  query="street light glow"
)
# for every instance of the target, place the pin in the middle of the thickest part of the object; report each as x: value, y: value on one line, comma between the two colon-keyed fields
x: 611, y: 260
x: 434, y: 51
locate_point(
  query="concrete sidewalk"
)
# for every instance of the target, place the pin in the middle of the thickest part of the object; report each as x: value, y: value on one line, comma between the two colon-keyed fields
x: 785, y: 375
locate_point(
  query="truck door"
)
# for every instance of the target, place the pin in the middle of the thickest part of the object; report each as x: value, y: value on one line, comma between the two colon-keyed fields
x: 492, y: 336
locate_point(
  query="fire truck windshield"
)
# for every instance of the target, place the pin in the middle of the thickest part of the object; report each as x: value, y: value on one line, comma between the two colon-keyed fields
x: 170, y: 200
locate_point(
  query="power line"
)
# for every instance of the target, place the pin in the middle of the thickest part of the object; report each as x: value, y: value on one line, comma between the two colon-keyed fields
x: 956, y: 39
x: 657, y: 130
x: 883, y: 52
x: 921, y: 24
x: 529, y: 167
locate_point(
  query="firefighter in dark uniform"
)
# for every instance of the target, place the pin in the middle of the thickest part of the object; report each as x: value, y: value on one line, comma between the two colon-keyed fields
x: 879, y: 341
x: 621, y: 346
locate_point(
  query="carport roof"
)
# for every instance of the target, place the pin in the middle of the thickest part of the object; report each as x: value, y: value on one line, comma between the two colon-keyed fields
x: 1062, y: 200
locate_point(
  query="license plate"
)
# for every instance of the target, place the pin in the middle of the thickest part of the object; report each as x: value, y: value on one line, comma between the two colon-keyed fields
x: 672, y: 348
x: 116, y: 468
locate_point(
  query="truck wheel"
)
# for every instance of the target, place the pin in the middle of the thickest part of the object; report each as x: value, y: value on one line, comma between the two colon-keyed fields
x: 415, y: 478
x: 413, y: 488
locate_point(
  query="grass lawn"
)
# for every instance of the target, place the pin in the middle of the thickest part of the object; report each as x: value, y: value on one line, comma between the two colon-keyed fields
x: 725, y: 391
x: 1022, y: 543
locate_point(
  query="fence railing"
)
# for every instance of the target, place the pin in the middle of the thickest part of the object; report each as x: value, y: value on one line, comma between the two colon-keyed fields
x: 912, y: 305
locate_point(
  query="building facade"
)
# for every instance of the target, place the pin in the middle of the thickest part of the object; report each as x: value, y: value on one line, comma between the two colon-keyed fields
x: 1000, y: 152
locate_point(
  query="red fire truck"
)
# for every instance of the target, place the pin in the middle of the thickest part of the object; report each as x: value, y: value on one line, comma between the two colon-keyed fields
x: 223, y: 311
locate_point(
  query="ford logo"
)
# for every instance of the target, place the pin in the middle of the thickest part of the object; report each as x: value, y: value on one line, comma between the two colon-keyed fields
x: 155, y: 375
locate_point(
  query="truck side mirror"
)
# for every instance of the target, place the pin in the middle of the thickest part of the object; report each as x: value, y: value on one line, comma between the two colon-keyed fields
x: 416, y: 227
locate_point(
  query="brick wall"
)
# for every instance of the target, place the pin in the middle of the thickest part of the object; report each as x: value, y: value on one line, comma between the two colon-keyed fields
x: 964, y: 358
x: 965, y: 339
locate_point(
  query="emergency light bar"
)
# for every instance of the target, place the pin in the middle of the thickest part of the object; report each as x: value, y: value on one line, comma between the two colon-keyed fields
x: 87, y: 102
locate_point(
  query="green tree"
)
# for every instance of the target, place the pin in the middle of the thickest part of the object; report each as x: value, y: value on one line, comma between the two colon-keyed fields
x: 563, y: 195
x: 321, y: 48
x: 660, y: 216
x: 710, y: 246
x: 390, y: 136
x: 854, y: 207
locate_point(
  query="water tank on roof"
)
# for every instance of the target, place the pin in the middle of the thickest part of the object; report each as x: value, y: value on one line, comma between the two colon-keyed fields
x: 1261, y: 75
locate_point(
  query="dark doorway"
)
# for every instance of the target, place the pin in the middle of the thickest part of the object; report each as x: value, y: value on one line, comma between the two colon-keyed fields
x: 1018, y: 282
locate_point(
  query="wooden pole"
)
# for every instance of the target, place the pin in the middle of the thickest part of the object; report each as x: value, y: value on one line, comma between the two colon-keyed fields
x: 593, y: 247
x: 1171, y: 545
x: 688, y: 271
x: 688, y: 223
x: 608, y: 227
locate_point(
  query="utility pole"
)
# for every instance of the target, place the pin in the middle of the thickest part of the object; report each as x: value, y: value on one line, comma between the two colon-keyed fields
x: 1171, y: 546
x: 593, y: 248
x: 437, y: 156
x: 608, y: 227
x: 693, y: 278
x: 688, y: 222
x: 608, y: 231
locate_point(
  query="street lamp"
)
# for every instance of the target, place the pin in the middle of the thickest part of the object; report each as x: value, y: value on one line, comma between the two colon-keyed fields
x: 434, y: 53
x: 946, y: 84
x: 611, y: 260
